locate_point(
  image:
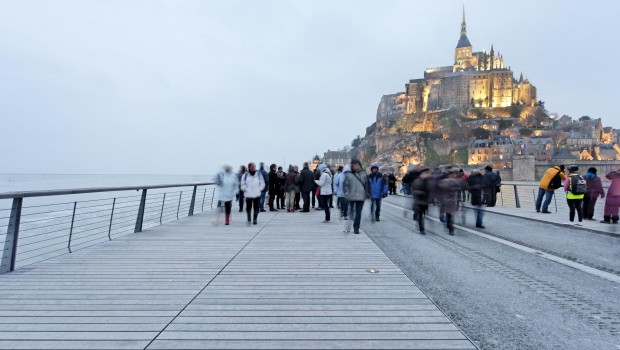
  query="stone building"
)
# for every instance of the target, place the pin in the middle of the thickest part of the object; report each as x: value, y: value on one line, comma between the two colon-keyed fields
x: 497, y: 152
x: 336, y: 158
x: 478, y: 79
x: 542, y: 148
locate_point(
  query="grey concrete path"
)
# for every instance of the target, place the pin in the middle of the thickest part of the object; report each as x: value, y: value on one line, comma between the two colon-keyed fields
x: 288, y: 283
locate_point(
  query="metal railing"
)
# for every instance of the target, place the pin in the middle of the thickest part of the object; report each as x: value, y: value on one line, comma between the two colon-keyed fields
x: 38, y: 227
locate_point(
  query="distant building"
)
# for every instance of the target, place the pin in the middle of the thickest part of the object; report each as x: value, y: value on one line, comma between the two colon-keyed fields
x: 315, y: 162
x: 497, y: 152
x: 336, y: 158
x: 489, y: 125
x: 540, y: 147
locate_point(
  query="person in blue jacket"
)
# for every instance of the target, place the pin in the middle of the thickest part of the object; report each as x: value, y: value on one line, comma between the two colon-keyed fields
x: 378, y: 190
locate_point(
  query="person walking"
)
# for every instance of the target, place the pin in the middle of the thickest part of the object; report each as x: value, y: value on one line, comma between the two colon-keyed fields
x: 281, y: 180
x: 355, y: 193
x: 273, y: 186
x: 450, y: 187
x: 475, y: 185
x: 551, y: 181
x: 297, y: 189
x: 341, y: 203
x: 392, y: 183
x: 241, y: 197
x: 325, y: 185
x: 228, y: 184
x: 378, y: 190
x: 612, y: 202
x: 594, y: 189
x: 575, y: 188
x: 492, y: 182
x: 289, y: 187
x: 421, y: 193
x: 315, y: 194
x: 306, y: 183
x: 252, y: 184
x: 263, y: 193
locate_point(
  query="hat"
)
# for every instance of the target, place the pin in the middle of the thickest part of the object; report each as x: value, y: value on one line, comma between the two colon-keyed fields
x: 488, y: 168
x: 372, y: 166
x: 573, y: 168
x: 562, y: 167
x: 322, y: 167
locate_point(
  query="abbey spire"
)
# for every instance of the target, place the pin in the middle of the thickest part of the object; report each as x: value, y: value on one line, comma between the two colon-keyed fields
x: 463, y: 40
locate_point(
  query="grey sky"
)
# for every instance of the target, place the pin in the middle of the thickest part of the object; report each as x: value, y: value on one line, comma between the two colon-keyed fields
x: 181, y: 87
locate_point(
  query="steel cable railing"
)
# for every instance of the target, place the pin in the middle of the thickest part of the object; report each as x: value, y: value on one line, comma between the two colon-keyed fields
x: 44, y: 229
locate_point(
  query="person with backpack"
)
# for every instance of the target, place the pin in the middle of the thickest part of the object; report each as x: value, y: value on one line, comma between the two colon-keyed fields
x: 551, y: 181
x: 252, y: 185
x: 492, y: 183
x: 575, y: 188
x: 594, y: 189
x: 612, y: 202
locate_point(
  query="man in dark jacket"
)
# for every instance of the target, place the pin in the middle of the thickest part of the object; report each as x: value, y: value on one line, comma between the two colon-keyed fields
x: 306, y: 183
x: 491, y: 182
x: 273, y: 186
x: 263, y: 193
x: 421, y: 193
x: 392, y: 183
x: 475, y: 186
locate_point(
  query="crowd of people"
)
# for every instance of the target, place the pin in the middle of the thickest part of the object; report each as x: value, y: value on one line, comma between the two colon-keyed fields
x: 582, y: 193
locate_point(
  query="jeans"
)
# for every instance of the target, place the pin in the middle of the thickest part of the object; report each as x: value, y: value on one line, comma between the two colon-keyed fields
x: 375, y: 207
x: 252, y: 203
x: 355, y: 214
x: 324, y: 202
x: 261, y: 203
x: 420, y: 215
x: 539, y: 199
x: 575, y: 204
x: 290, y: 200
x: 479, y: 213
x: 306, y: 198
x: 343, y: 206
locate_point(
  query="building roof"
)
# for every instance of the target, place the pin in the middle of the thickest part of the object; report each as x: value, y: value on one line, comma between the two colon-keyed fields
x: 463, y: 41
x: 566, y: 154
x: 534, y: 140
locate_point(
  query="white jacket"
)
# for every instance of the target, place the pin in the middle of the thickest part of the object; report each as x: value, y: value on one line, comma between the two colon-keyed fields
x: 325, y: 182
x: 229, y: 186
x: 252, y: 185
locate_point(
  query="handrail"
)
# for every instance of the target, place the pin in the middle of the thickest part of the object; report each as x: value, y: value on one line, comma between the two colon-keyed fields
x: 60, y: 192
x: 9, y: 253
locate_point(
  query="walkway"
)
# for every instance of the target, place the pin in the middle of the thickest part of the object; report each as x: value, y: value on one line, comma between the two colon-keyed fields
x: 287, y: 283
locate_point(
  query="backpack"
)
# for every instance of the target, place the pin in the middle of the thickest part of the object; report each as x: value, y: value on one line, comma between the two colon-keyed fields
x: 556, y: 182
x: 577, y: 185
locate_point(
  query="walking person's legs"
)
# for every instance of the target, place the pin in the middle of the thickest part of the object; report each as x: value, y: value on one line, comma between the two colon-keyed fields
x: 378, y: 209
x: 241, y: 200
x: 548, y: 197
x: 255, y: 203
x: 248, y: 208
x: 479, y: 215
x: 421, y: 210
x: 227, y: 211
x: 571, y: 209
x: 579, y: 208
x: 290, y: 201
x: 262, y: 200
x: 450, y: 224
x: 372, y: 209
x: 325, y: 200
x: 359, y: 206
x: 306, y: 198
x: 297, y: 200
x: 539, y: 198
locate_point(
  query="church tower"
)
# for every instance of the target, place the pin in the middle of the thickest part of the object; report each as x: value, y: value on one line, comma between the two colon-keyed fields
x: 463, y: 52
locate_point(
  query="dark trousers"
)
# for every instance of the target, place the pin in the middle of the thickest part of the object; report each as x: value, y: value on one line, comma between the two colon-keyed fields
x: 280, y: 199
x: 420, y: 215
x: 297, y: 199
x: 342, y: 204
x: 356, y: 211
x: 306, y: 198
x: 227, y: 207
x: 272, y: 198
x: 588, y: 206
x: 261, y: 204
x: 331, y: 201
x: 375, y: 208
x: 490, y: 197
x: 252, y: 203
x: 450, y: 222
x: 241, y: 200
x: 479, y: 213
x: 313, y: 194
x: 392, y: 188
x: 324, y: 202
x: 575, y: 204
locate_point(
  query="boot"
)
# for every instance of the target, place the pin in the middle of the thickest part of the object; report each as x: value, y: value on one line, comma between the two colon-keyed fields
x: 227, y: 219
x: 614, y: 219
x: 606, y: 219
x: 255, y: 218
x: 249, y: 217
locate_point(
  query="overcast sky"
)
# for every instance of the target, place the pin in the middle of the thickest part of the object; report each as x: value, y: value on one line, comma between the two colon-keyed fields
x: 182, y: 87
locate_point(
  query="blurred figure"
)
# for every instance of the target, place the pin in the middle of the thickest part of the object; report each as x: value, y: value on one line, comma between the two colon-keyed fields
x: 475, y: 185
x: 421, y: 192
x: 297, y: 189
x: 355, y: 193
x: 241, y: 197
x: 449, y: 187
x: 594, y: 189
x: 281, y: 185
x: 341, y: 203
x: 289, y: 187
x: 463, y: 177
x: 228, y: 183
x: 252, y: 184
x: 378, y: 189
x: 491, y: 181
x: 317, y: 175
x: 575, y: 188
x: 263, y: 193
x: 273, y: 186
x: 306, y: 184
x: 391, y: 183
x: 612, y: 203
x: 325, y: 185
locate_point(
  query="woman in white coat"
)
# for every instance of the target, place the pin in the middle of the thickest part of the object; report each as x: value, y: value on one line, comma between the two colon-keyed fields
x: 229, y: 187
x: 252, y: 184
x: 325, y: 184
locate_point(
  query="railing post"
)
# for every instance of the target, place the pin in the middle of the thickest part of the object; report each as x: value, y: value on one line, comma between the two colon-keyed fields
x: 179, y: 206
x: 212, y: 197
x: 163, y: 203
x: 555, y: 202
x: 140, y: 217
x: 191, y: 205
x: 9, y: 254
x: 111, y: 217
x: 203, y: 200
x: 517, y: 197
x: 71, y: 230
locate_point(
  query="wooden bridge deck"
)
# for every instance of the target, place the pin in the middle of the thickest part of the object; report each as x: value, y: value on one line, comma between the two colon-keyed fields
x: 288, y: 283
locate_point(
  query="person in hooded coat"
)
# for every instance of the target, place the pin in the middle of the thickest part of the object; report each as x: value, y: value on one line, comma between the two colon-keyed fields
x: 339, y: 191
x: 355, y: 193
x: 252, y: 184
x: 273, y: 186
x: 421, y: 192
x: 378, y: 190
x: 228, y: 183
x: 325, y: 184
x: 594, y: 189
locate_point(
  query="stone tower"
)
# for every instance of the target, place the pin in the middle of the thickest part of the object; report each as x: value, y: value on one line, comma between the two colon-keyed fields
x: 463, y: 53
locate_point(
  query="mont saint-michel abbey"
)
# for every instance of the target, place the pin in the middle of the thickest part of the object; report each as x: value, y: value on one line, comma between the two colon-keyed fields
x: 476, y: 79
